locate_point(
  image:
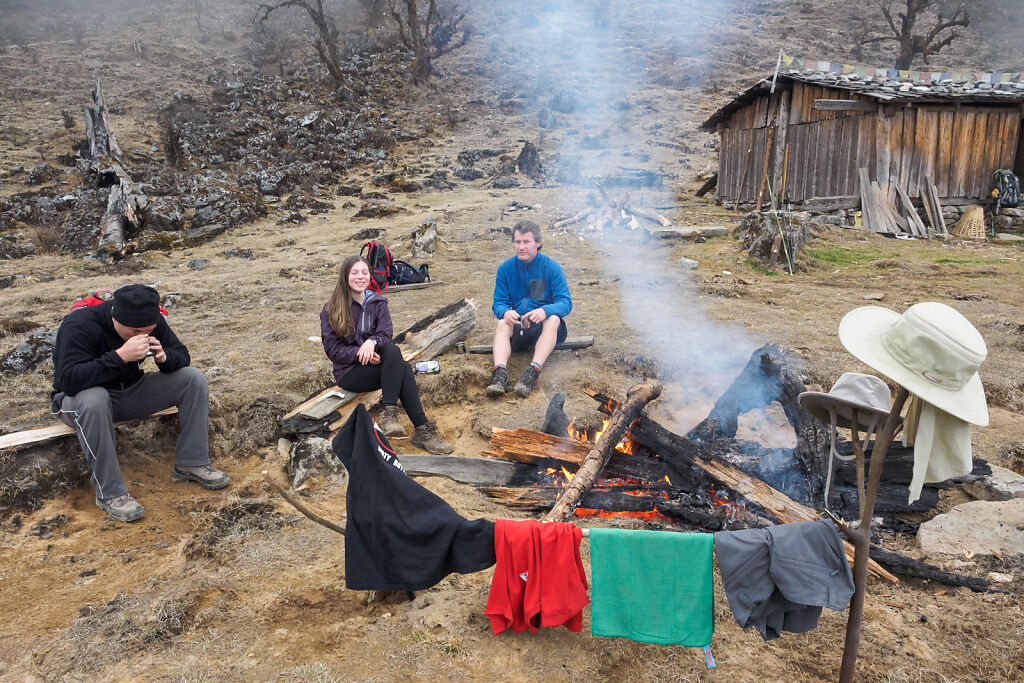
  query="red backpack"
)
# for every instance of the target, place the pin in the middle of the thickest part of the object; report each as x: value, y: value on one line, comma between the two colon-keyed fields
x: 381, y: 263
x: 100, y: 296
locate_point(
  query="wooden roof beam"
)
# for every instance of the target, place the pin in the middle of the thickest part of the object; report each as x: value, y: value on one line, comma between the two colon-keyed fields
x: 845, y: 105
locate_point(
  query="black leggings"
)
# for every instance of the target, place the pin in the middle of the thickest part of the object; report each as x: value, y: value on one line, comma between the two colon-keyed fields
x: 395, y: 379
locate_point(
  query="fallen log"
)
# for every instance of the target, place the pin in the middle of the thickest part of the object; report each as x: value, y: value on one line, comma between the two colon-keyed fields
x: 907, y: 566
x: 121, y: 219
x: 621, y: 421
x: 98, y: 132
x: 424, y: 340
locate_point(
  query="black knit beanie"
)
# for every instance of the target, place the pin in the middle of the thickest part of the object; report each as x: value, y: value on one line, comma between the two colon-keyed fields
x: 136, y: 306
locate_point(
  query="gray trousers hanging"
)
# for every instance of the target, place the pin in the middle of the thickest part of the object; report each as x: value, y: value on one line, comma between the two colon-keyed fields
x: 92, y: 413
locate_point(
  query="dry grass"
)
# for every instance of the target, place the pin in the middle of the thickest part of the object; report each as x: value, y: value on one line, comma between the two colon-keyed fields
x: 231, y: 525
x: 130, y: 623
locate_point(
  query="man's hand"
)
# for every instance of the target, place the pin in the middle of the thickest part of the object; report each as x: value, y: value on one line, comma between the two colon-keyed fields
x: 537, y: 316
x: 367, y: 351
x: 159, y: 355
x: 510, y: 317
x: 135, y: 349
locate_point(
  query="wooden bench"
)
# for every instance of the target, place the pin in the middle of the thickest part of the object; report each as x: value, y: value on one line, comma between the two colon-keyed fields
x: 31, y: 437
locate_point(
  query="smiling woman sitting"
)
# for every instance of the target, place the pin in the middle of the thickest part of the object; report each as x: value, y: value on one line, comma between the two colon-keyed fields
x: 356, y: 328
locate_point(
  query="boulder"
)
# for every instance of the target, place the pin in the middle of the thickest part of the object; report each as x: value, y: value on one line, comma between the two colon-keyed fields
x: 26, y: 357
x: 314, y: 457
x: 981, y: 527
x: 1001, y: 484
x: 506, y: 183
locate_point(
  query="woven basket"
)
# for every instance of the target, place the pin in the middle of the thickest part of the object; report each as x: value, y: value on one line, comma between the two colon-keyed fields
x: 971, y: 225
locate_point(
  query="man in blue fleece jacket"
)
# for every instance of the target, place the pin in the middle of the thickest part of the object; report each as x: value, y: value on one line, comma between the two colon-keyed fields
x: 531, y: 300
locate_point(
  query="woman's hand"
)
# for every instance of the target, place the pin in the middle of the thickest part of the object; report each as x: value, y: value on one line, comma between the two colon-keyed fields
x: 376, y: 359
x: 367, y: 351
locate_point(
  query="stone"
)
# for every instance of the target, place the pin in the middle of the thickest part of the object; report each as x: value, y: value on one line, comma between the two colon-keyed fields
x: 1002, y: 223
x: 162, y: 216
x: 506, y: 183
x: 1013, y: 212
x: 1001, y: 484
x: 235, y: 252
x: 980, y: 527
x: 197, y: 263
x: 314, y: 457
x: 424, y: 239
x: 468, y: 174
x: 1009, y: 238
x: 214, y: 372
x: 687, y: 263
x: 874, y: 296
x: 999, y: 577
x: 545, y: 119
x: 37, y: 348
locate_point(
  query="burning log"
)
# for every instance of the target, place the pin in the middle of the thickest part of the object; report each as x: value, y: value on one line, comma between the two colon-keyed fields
x: 526, y: 445
x: 605, y: 503
x: 771, y: 374
x: 622, y: 419
x: 424, y: 340
x: 612, y: 212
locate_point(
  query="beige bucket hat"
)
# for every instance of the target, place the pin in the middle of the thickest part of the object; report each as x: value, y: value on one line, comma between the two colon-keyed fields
x: 866, y: 394
x: 931, y: 350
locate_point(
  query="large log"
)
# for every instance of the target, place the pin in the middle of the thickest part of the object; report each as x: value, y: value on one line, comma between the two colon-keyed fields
x: 678, y: 506
x: 426, y: 339
x: 469, y: 470
x: 98, y: 132
x: 121, y: 219
x: 622, y: 419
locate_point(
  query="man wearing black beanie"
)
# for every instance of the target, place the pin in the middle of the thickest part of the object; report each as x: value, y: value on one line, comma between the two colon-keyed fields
x: 98, y: 380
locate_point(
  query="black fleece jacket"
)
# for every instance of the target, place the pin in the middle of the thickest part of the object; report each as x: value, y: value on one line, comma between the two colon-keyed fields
x: 85, y: 354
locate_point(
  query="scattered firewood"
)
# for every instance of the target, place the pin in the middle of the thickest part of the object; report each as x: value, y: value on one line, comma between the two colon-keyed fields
x: 621, y: 421
x: 526, y: 445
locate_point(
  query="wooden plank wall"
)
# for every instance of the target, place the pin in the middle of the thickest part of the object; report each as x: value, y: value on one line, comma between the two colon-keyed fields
x: 957, y: 148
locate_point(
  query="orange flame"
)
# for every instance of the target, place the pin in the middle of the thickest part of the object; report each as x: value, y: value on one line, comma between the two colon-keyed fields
x: 647, y: 515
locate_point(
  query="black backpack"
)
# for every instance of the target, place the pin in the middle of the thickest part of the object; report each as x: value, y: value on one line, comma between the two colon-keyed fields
x: 404, y: 273
x: 381, y: 265
x: 1007, y: 188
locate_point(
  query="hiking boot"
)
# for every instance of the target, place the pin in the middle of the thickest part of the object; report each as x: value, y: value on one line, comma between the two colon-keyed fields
x: 204, y: 475
x: 389, y: 423
x: 499, y: 383
x: 122, y: 508
x: 427, y: 437
x: 527, y: 381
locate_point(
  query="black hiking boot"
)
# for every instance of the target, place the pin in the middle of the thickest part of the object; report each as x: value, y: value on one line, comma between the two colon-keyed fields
x: 527, y: 381
x: 499, y: 383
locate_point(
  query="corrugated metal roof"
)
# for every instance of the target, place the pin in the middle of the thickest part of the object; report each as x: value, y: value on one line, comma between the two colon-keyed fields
x: 884, y: 90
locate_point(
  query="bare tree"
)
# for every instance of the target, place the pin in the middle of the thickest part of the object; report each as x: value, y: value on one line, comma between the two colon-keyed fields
x: 428, y: 34
x: 326, y: 42
x: 943, y: 32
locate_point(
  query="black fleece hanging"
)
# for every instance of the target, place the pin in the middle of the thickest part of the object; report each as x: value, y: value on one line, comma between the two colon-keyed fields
x: 400, y: 536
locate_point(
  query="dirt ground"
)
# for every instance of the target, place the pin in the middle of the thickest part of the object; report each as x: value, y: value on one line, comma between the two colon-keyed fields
x: 236, y: 585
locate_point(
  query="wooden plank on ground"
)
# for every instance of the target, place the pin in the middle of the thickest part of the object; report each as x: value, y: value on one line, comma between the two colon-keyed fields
x: 31, y: 437
x: 415, y: 285
x: 469, y: 470
x: 868, y: 219
x: 937, y: 208
x: 684, y: 231
x: 915, y: 224
x: 569, y: 344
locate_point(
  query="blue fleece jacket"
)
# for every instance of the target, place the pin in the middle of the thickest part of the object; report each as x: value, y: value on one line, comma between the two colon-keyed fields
x: 524, y: 287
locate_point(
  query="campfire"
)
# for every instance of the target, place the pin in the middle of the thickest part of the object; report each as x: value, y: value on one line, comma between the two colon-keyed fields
x: 611, y: 213
x: 708, y: 479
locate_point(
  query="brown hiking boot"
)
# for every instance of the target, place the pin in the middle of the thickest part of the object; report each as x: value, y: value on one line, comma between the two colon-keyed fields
x: 499, y: 383
x: 527, y: 381
x: 389, y: 422
x: 429, y: 439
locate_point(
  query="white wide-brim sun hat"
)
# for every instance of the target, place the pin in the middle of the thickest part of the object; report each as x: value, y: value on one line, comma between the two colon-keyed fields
x: 931, y: 350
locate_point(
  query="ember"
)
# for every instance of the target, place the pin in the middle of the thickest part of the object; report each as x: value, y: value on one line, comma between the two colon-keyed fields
x: 645, y: 515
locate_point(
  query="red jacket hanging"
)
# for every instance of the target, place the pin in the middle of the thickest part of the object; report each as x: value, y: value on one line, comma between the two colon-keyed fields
x: 539, y: 579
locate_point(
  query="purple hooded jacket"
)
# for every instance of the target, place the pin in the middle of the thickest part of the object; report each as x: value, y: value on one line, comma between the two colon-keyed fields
x: 373, y: 321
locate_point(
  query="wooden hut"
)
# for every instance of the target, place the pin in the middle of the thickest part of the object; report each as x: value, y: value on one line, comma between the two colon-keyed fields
x: 810, y: 138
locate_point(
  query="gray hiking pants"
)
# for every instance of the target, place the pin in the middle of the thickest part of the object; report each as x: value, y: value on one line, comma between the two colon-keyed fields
x: 92, y: 413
